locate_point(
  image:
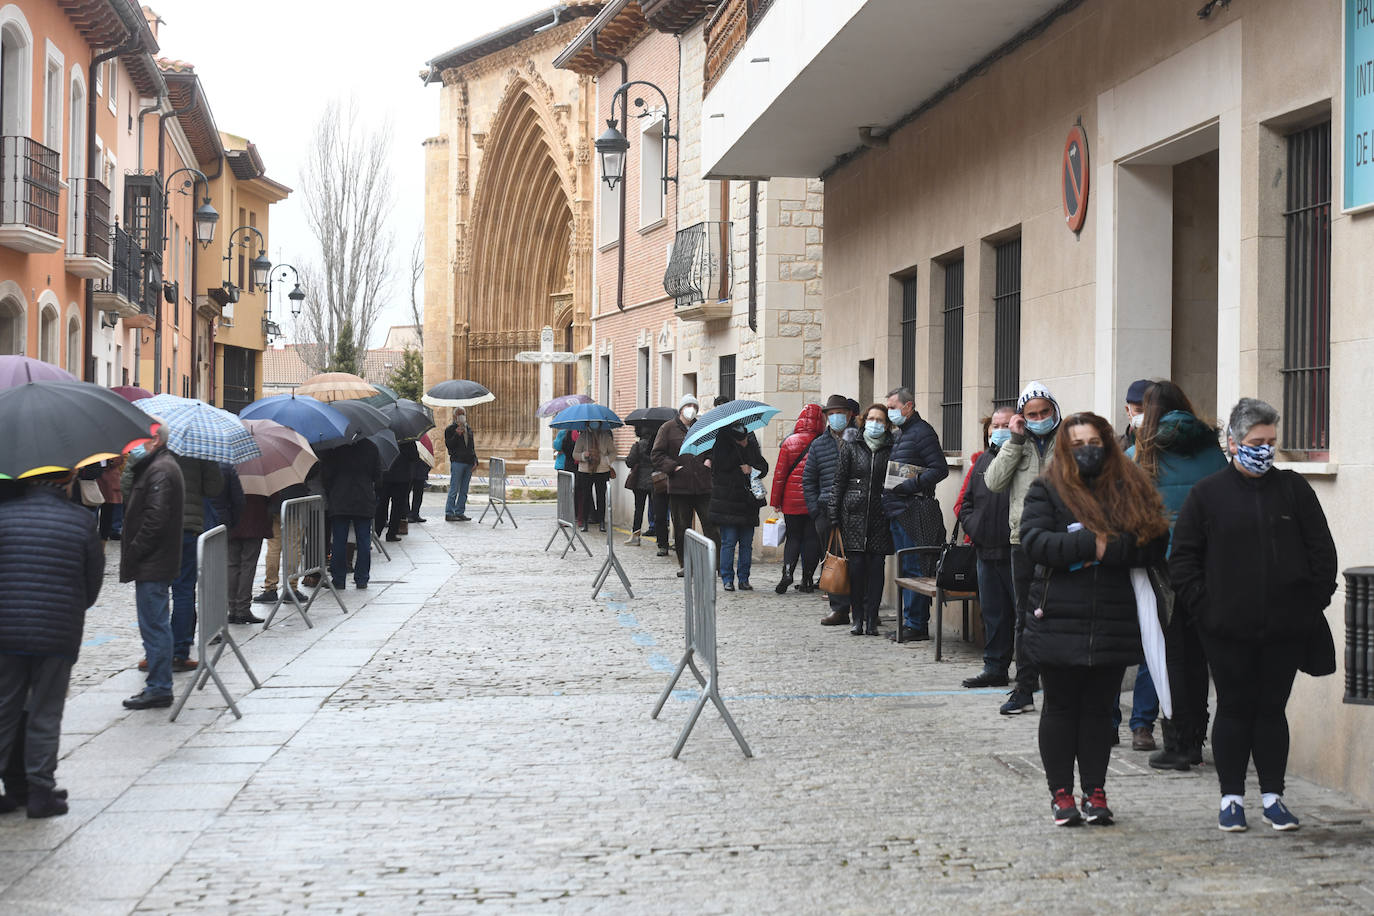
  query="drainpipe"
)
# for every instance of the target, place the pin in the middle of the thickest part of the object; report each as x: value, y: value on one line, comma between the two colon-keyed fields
x: 92, y: 169
x: 138, y: 337
x: 624, y: 107
x: 157, y: 319
x: 753, y: 256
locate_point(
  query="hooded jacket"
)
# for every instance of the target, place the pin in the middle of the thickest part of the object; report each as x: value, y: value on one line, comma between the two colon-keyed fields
x: 694, y: 478
x: 787, y: 493
x: 51, y: 566
x: 732, y: 499
x: 1023, y: 459
x: 1188, y: 452
x: 150, y: 549
x: 856, y: 498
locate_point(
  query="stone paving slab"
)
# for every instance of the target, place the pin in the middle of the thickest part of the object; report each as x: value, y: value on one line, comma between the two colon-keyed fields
x: 476, y: 735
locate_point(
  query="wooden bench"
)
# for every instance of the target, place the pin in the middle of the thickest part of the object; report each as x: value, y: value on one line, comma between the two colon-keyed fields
x: 925, y: 585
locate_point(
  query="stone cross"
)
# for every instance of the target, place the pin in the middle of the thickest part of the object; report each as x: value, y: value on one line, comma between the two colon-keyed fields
x: 546, y: 357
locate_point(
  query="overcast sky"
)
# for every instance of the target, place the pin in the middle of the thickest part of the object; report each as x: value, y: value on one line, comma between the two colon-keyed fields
x: 270, y: 66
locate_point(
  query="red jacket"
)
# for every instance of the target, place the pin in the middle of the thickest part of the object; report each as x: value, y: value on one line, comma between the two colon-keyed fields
x: 787, y: 479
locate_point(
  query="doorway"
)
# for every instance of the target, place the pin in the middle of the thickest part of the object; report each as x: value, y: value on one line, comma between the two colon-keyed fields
x: 866, y: 373
x: 1193, y: 347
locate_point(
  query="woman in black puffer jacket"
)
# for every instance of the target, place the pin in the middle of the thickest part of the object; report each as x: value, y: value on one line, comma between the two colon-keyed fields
x: 1091, y: 518
x: 856, y: 507
x: 734, y: 508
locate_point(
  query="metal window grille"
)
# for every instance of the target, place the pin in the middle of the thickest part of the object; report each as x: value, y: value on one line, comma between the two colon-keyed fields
x: 1006, y: 298
x: 1307, y: 292
x: 952, y: 401
x: 1359, y: 635
x: 727, y: 377
x: 909, y: 332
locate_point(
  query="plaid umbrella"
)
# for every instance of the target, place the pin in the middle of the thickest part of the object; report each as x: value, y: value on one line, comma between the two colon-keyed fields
x: 197, y: 430
x: 286, y: 458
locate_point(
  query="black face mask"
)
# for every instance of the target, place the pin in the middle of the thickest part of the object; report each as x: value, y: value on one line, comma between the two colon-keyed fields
x: 1089, y: 459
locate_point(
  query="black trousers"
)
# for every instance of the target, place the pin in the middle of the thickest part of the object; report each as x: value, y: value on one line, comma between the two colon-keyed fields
x: 683, y: 508
x: 592, y: 502
x: 802, y: 543
x: 37, y: 685
x: 417, y: 497
x: 867, y: 572
x: 661, y: 520
x: 641, y: 499
x: 391, y: 507
x: 1022, y: 570
x: 1253, y: 682
x: 1076, y: 723
x: 1187, y: 672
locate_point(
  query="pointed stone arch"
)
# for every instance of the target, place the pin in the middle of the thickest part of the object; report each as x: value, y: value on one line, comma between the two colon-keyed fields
x: 520, y: 257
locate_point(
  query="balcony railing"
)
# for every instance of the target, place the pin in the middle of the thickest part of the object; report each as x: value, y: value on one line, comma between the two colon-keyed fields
x: 733, y: 22
x: 122, y: 291
x: 88, y: 219
x: 29, y: 189
x: 699, y: 271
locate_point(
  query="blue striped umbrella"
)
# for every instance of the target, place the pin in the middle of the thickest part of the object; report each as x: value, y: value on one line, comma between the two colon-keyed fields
x: 702, y: 436
x: 197, y: 430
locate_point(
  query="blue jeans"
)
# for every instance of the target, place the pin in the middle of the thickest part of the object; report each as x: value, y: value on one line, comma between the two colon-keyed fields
x: 184, y: 598
x: 1144, y: 702
x: 997, y: 598
x: 153, y: 625
x: 915, y: 608
x: 338, y: 556
x: 732, y: 536
x: 459, y: 476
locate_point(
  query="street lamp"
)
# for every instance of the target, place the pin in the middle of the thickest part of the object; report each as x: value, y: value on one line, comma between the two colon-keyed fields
x: 259, y: 267
x: 612, y: 146
x: 206, y: 216
x: 297, y: 295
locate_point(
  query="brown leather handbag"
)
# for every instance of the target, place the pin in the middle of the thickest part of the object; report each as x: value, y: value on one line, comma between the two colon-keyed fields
x: 835, y: 568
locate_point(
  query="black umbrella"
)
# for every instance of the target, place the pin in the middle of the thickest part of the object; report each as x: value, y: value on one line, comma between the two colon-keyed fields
x: 57, y: 426
x: 407, y: 419
x: 363, y: 419
x: 386, y: 447
x: 651, y: 416
x: 457, y: 392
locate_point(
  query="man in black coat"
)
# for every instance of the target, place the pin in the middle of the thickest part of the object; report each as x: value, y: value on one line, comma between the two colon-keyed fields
x: 917, y: 444
x: 462, y: 458
x: 51, y: 565
x: 351, y: 474
x: 689, y: 479
x: 818, y: 478
x: 395, y: 492
x: 983, y: 515
x: 150, y: 557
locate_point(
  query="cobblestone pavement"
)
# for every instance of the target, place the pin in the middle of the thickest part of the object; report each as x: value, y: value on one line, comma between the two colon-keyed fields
x: 475, y: 734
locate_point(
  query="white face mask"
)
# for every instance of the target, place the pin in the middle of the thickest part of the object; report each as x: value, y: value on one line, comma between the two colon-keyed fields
x: 689, y: 413
x: 1138, y: 421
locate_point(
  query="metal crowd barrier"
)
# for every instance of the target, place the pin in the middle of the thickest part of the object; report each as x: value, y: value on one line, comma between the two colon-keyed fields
x: 699, y: 594
x: 212, y: 605
x: 304, y: 552
x: 378, y: 545
x: 612, y: 561
x: 496, y: 493
x: 567, y: 517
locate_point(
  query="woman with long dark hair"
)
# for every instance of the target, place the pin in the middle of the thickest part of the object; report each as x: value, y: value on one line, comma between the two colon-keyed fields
x: 1088, y: 520
x: 856, y: 507
x: 1176, y: 450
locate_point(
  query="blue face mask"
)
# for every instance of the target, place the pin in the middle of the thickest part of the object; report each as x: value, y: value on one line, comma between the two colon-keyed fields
x: 1257, y: 459
x: 1041, y: 427
x: 837, y: 421
x: 138, y: 452
x: 874, y: 429
x: 1000, y: 437
x: 894, y: 414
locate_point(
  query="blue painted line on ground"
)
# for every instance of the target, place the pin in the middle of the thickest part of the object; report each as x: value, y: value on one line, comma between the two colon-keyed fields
x: 644, y: 639
x: 661, y: 663
x: 692, y: 695
x: 97, y: 641
x: 627, y: 620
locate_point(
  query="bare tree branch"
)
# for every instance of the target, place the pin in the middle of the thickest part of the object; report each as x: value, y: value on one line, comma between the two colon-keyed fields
x: 417, y: 273
x: 349, y: 196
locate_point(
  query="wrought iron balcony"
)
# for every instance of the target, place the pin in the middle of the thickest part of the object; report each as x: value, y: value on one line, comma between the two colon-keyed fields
x: 88, y: 229
x: 122, y: 290
x: 29, y: 196
x: 733, y: 22
x: 699, y: 272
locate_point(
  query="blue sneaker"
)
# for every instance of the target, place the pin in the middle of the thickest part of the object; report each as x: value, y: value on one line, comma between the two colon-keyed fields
x: 1279, y: 817
x: 1232, y: 819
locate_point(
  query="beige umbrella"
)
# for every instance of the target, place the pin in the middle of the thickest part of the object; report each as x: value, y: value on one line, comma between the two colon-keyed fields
x: 286, y: 458
x: 336, y: 386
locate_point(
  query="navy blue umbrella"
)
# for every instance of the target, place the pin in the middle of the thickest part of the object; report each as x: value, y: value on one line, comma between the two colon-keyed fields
x: 579, y: 415
x: 315, y: 420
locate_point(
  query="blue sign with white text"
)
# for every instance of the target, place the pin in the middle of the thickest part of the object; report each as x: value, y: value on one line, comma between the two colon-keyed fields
x: 1359, y: 105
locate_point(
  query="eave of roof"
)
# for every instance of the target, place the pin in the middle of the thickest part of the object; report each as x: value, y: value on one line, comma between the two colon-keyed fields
x: 111, y: 24
x: 674, y: 16
x: 197, y: 120
x: 507, y: 36
x: 615, y: 28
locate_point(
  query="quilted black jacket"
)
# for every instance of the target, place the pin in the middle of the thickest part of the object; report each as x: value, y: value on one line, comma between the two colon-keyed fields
x: 856, y: 499
x: 51, y: 565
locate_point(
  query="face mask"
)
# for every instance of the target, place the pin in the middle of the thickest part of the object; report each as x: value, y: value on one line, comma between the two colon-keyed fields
x: 138, y: 452
x: 1137, y: 421
x: 1089, y: 459
x: 1257, y: 459
x: 1041, y: 427
x: 873, y: 429
x: 1000, y: 437
x: 837, y: 421
x: 895, y: 415
x: 689, y: 413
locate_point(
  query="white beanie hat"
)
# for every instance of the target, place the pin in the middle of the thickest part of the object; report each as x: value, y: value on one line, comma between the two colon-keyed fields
x: 688, y: 399
x: 1035, y: 390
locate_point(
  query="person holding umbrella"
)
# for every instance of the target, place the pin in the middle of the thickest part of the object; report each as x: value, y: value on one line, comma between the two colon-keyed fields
x: 735, y: 458
x: 689, y: 480
x: 351, y: 474
x: 462, y: 458
x: 150, y: 557
x: 640, y: 479
x: 595, y: 455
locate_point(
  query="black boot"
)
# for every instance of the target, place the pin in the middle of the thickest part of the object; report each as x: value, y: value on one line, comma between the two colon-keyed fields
x: 1198, y: 738
x: 808, y: 584
x: 1175, y: 755
x: 786, y: 578
x: 45, y: 802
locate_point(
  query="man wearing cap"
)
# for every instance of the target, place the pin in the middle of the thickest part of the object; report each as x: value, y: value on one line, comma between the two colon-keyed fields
x: 818, y: 478
x: 1135, y: 412
x: 689, y: 479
